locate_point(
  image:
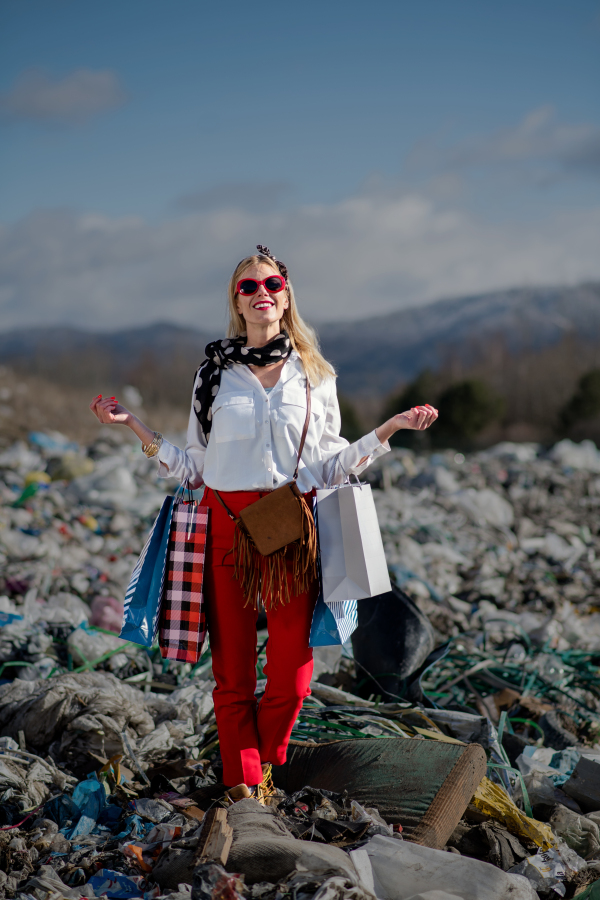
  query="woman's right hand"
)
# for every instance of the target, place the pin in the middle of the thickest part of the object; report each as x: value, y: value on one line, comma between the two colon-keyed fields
x: 109, y: 412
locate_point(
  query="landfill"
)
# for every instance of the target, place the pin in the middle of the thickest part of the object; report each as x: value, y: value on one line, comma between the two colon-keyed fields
x: 449, y: 749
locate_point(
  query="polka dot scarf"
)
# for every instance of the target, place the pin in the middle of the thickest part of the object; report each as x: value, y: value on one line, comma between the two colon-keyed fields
x: 230, y: 352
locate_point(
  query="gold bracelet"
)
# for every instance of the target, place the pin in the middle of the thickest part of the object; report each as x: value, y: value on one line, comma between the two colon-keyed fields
x: 154, y: 446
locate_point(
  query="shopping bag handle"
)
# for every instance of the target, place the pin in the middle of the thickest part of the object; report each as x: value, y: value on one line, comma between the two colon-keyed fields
x: 336, y: 461
x: 180, y: 492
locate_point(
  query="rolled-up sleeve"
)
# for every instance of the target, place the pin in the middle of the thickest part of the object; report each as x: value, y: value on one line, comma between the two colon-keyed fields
x: 185, y: 465
x: 353, y: 458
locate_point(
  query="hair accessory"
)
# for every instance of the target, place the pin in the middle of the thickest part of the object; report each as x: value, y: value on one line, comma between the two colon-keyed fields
x: 264, y: 251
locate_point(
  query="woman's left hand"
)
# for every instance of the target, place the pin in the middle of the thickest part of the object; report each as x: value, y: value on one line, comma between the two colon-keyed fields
x: 416, y: 419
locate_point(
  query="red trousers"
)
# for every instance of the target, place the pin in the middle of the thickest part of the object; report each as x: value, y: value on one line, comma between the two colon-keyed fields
x: 249, y: 733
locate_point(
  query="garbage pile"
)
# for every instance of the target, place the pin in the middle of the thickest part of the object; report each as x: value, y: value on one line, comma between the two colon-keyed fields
x: 451, y: 749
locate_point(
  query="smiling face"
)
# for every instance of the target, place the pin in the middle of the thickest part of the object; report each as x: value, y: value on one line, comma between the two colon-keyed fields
x: 262, y: 308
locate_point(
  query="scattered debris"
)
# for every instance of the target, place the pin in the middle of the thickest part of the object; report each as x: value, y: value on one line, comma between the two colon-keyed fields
x: 110, y: 774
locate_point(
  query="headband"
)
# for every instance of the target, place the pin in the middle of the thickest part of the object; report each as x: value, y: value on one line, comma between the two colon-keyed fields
x: 264, y: 251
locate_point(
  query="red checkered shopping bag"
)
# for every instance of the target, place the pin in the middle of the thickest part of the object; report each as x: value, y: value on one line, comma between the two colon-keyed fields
x: 183, y: 619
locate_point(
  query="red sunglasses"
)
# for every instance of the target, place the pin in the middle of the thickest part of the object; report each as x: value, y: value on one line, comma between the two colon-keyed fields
x: 248, y: 286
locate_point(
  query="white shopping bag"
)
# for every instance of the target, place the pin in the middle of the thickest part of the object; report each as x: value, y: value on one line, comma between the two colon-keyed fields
x: 353, y: 561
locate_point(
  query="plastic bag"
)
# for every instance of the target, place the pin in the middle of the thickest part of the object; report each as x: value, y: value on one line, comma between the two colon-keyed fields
x: 491, y: 800
x: 370, y: 815
x: 402, y: 869
x: 393, y: 640
x: 118, y: 886
x: 549, y: 868
x: 579, y: 832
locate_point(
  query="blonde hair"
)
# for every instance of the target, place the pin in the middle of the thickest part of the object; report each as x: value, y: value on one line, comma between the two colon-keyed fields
x: 302, y: 336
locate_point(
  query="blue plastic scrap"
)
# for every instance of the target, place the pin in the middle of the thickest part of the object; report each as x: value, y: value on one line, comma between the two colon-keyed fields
x: 90, y: 799
x: 117, y: 886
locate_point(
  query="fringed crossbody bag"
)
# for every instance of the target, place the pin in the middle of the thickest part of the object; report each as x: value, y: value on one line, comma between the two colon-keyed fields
x: 265, y: 531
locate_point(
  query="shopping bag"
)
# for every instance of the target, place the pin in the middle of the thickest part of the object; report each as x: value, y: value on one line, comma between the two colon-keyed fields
x: 353, y: 561
x: 144, y: 592
x: 183, y: 619
x: 333, y: 622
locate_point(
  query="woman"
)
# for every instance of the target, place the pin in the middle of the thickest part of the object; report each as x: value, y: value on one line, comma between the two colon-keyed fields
x: 248, y: 412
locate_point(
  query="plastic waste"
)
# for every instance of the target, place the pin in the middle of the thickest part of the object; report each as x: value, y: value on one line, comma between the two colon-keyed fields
x: 118, y: 886
x: 369, y: 815
x: 86, y: 646
x: 107, y: 613
x: 578, y: 832
x: 507, y: 583
x: 211, y: 881
x: 549, y: 869
x: 557, y: 766
x: 494, y: 802
x: 90, y: 799
x: 402, y: 870
x: 576, y: 456
x: 392, y: 640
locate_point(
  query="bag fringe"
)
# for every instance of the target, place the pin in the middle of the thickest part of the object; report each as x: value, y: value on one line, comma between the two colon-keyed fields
x: 264, y: 578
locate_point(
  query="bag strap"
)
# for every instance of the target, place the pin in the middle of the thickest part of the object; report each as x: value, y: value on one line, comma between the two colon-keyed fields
x: 224, y: 505
x: 304, y: 430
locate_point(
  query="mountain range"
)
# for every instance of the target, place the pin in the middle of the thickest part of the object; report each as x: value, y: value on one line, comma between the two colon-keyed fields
x: 372, y: 356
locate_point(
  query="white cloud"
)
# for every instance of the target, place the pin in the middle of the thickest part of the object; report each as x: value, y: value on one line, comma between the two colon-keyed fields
x: 83, y: 93
x: 540, y: 138
x: 370, y: 253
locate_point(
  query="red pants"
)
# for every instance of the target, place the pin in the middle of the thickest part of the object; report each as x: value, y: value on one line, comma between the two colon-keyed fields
x: 251, y: 733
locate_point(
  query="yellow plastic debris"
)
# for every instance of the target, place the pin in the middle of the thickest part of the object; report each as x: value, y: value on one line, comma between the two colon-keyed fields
x: 90, y: 522
x: 37, y: 478
x: 491, y: 800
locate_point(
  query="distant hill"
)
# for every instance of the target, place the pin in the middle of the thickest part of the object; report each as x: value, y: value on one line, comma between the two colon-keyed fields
x: 372, y: 356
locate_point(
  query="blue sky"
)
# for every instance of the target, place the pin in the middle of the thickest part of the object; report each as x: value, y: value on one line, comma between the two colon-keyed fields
x: 392, y: 152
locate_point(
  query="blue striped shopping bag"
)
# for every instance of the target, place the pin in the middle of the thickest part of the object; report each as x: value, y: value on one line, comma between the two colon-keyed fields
x: 333, y: 622
x: 143, y: 597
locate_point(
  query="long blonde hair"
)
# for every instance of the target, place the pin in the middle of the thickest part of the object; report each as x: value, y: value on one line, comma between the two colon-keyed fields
x: 303, y: 337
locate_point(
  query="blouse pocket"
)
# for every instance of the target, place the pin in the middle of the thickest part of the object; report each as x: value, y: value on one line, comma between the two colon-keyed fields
x: 234, y: 417
x: 291, y: 412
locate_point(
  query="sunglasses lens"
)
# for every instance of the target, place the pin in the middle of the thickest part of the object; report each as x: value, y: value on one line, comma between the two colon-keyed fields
x: 248, y: 286
x: 274, y: 284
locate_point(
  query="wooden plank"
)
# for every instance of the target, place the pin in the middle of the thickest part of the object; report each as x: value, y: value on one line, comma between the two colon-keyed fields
x: 215, y: 838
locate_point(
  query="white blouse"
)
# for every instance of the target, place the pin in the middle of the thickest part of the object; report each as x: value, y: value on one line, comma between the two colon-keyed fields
x: 255, y: 436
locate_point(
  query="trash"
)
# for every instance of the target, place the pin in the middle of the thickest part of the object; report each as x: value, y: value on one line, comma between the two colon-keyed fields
x: 423, y: 785
x: 107, y: 613
x: 549, y: 869
x: 263, y: 848
x: 584, y: 784
x: 578, y: 832
x: 402, y: 870
x: 211, y: 881
x: 109, y: 760
x: 490, y: 799
x: 117, y: 886
x: 394, y: 637
x: 370, y: 816
x: 216, y: 835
